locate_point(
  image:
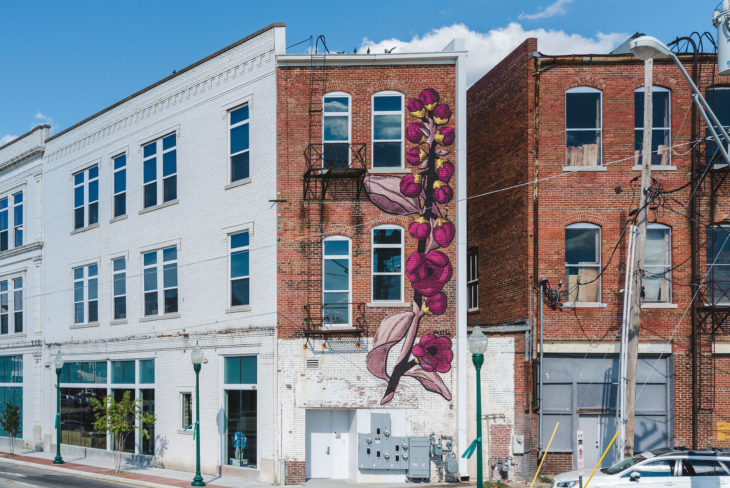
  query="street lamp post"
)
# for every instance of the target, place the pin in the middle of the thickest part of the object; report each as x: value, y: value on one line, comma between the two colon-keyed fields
x: 477, y: 347
x: 197, y: 358
x: 58, y: 364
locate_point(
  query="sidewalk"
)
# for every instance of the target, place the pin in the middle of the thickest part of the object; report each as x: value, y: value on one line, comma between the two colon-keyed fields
x: 133, y: 475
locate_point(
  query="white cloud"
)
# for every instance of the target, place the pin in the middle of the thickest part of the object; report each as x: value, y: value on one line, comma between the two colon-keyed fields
x: 43, y: 118
x: 486, y: 49
x: 6, y: 138
x: 549, y: 11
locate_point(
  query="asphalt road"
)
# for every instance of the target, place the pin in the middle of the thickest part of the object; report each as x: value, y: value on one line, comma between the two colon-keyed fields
x: 13, y: 476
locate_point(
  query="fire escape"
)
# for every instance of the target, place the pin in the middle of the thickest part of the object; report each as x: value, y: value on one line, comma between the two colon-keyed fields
x: 334, y: 172
x: 711, y: 305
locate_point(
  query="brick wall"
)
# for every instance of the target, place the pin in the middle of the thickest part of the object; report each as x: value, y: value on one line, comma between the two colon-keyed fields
x: 295, y: 472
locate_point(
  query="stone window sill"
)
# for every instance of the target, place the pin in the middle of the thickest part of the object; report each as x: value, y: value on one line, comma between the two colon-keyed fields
x: 238, y: 183
x: 242, y: 308
x: 658, y: 305
x: 584, y: 168
x: 118, y: 218
x: 18, y: 335
x: 84, y: 326
x: 160, y: 317
x: 118, y: 322
x: 388, y: 305
x: 584, y: 305
x: 656, y: 168
x: 84, y: 229
x: 157, y: 207
x: 388, y: 170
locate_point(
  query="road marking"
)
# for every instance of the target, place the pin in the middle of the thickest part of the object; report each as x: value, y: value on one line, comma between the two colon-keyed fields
x: 19, y: 475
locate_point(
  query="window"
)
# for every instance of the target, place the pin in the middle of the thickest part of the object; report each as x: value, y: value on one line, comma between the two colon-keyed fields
x: 86, y: 294
x: 336, y: 282
x: 86, y: 197
x: 387, y: 264
x: 388, y: 130
x: 239, y: 269
x: 660, y: 126
x: 718, y: 264
x: 119, y: 288
x: 160, y: 171
x: 583, y: 262
x: 718, y: 97
x: 655, y: 469
x: 11, y: 306
x: 18, y: 218
x: 657, y: 264
x: 241, y: 407
x: 472, y: 279
x: 160, y: 267
x: 11, y: 389
x: 239, y: 143
x: 186, y: 414
x: 336, y: 112
x: 702, y: 467
x: 583, y: 126
x: 120, y: 185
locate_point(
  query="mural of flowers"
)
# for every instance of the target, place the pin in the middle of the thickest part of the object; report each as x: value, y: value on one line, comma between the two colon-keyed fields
x: 421, y: 193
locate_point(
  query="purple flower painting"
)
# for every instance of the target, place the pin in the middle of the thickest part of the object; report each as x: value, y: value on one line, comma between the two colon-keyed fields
x: 421, y: 193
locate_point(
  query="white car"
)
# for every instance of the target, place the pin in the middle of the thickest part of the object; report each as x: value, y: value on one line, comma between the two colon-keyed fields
x: 662, y: 468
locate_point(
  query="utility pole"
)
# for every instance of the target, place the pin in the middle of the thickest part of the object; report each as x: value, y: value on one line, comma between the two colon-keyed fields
x: 635, y: 318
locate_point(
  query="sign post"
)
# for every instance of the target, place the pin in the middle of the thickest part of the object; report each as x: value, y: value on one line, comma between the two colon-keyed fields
x: 581, y: 464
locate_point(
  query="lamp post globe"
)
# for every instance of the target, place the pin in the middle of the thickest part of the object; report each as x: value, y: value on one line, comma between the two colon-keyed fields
x: 645, y: 47
x: 477, y: 347
x: 58, y: 365
x: 196, y: 357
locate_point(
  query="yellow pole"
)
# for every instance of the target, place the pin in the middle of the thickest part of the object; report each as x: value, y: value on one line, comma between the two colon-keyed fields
x: 544, y: 455
x: 599, y: 461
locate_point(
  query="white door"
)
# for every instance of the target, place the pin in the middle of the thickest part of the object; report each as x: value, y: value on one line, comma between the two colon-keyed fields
x: 598, y: 430
x: 328, y: 443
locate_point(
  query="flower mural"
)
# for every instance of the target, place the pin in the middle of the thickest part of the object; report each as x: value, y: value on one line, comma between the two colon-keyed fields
x: 420, y: 193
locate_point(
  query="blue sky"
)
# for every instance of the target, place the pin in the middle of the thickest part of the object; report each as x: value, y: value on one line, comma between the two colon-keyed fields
x: 63, y: 61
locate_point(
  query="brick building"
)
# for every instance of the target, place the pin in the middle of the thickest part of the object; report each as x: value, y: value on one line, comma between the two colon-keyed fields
x: 371, y: 158
x: 553, y: 163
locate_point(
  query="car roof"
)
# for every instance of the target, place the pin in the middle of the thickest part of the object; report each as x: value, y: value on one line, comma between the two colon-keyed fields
x: 665, y: 451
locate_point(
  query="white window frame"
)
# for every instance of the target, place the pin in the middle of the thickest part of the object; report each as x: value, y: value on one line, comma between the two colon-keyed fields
x: 159, y: 177
x: 667, y: 262
x: 9, y: 296
x: 18, y: 224
x: 712, y: 265
x: 123, y: 193
x: 639, y: 124
x: 86, y: 301
x: 472, y: 279
x: 160, y: 288
x: 115, y: 275
x: 238, y: 387
x: 338, y: 114
x: 87, y: 204
x: 182, y: 410
x: 599, y: 129
x: 347, y: 256
x: 14, y: 228
x: 232, y: 250
x: 585, y: 225
x: 373, y: 273
x: 248, y: 150
x: 401, y: 112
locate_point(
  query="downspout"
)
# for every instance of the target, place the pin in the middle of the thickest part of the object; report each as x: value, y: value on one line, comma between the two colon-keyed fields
x: 695, y: 262
x: 543, y: 282
x: 535, y: 237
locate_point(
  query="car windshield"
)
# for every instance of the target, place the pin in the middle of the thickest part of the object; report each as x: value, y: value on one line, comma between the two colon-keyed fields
x: 626, y: 463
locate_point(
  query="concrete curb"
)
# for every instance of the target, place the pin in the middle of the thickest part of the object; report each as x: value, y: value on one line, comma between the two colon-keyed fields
x: 86, y: 474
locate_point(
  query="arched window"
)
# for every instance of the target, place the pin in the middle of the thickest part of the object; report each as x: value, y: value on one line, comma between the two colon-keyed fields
x: 387, y: 130
x: 336, y: 282
x: 583, y: 123
x: 661, y: 135
x: 336, y: 130
x: 387, y: 282
x: 657, y: 264
x: 583, y: 262
x: 718, y: 97
x: 718, y: 264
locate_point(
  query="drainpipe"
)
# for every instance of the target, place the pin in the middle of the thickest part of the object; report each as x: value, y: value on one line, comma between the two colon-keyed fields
x: 543, y: 282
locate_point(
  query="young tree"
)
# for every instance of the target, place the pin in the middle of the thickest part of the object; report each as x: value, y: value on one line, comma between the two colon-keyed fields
x: 10, y: 422
x: 119, y: 419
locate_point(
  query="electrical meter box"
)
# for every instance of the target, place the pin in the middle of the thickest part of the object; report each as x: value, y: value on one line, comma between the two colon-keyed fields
x: 381, y: 450
x: 419, y: 460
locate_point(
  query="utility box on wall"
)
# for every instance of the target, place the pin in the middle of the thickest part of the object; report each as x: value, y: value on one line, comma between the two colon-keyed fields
x: 382, y: 451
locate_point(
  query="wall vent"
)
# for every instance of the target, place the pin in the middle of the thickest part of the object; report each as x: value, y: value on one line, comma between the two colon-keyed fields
x: 312, y: 363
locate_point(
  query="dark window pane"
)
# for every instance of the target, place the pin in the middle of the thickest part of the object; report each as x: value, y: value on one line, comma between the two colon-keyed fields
x: 78, y: 196
x: 168, y: 142
x: 336, y: 128
x: 4, y: 324
x: 93, y: 311
x: 169, y: 163
x: 78, y: 179
x: 119, y: 264
x: 659, y: 146
x: 120, y: 204
x: 239, y: 264
x: 120, y: 308
x: 18, y: 237
x: 4, y: 240
x: 148, y: 405
x: 386, y: 260
x: 239, y: 138
x: 150, y: 170
x: 388, y: 103
x: 150, y: 195
x: 169, y: 187
x: 120, y: 181
x: 240, y: 166
x: 239, y: 240
x: 335, y: 156
x: 94, y: 191
x: 93, y: 213
x: 147, y: 371
x: 337, y: 248
x: 169, y: 254
x: 78, y: 218
x: 718, y: 97
x: 150, y: 303
x: 336, y: 274
x: 336, y: 104
x: 387, y: 236
x: 77, y: 417
x: 150, y: 258
x: 335, y: 308
x: 169, y: 275
x: 239, y: 115
x: 150, y: 279
x: 242, y: 417
x: 386, y: 287
x: 660, y: 107
x: 387, y: 154
x: 171, y: 301
x: 581, y: 246
x: 93, y: 172
x: 119, y: 284
x: 150, y: 149
x: 582, y: 110
x: 79, y: 313
x: 239, y: 292
x: 120, y: 161
x: 387, y: 127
